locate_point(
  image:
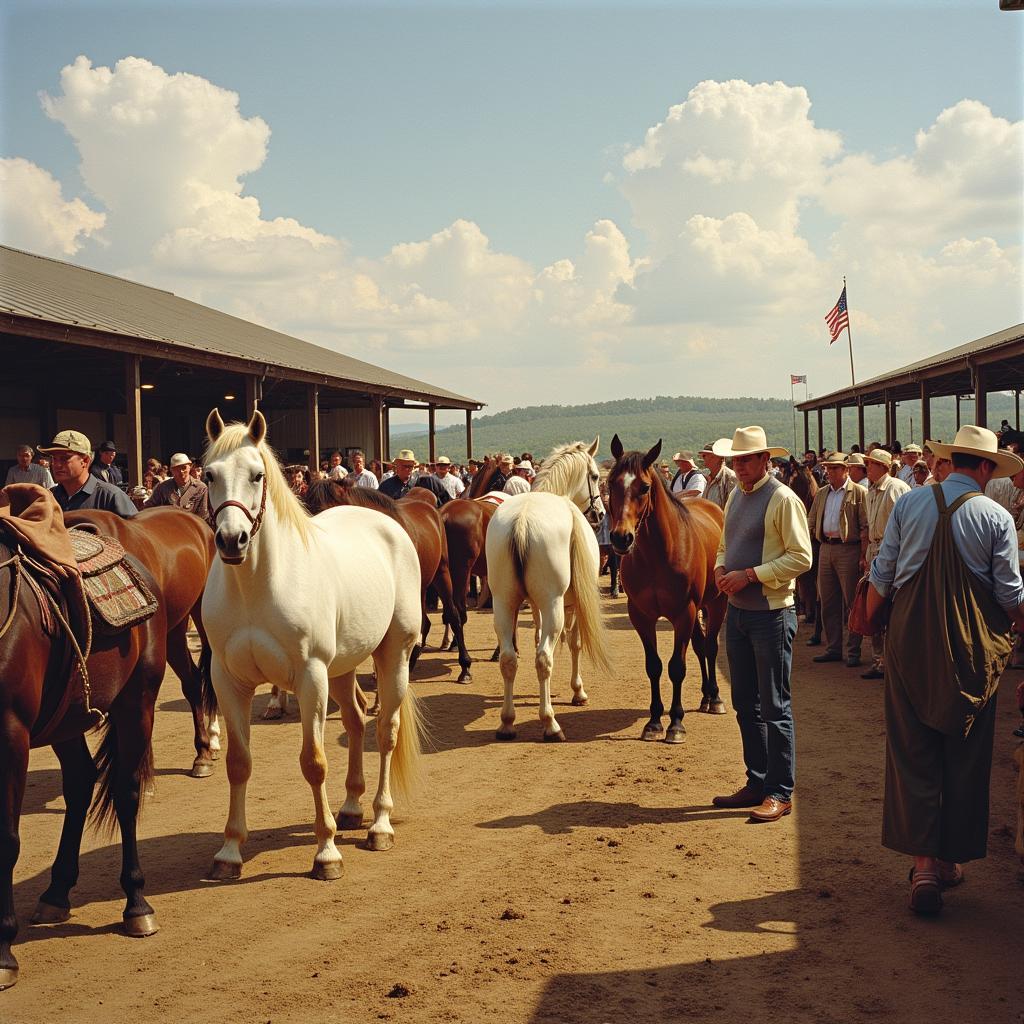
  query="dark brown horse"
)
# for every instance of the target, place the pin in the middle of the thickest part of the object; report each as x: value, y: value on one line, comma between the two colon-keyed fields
x: 668, y: 549
x: 423, y: 524
x: 805, y: 487
x: 38, y: 666
x: 465, y: 525
x: 168, y: 542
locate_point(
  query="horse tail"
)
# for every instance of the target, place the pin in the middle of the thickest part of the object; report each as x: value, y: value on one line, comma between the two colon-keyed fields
x: 519, y: 543
x: 583, y: 581
x: 103, y: 813
x: 207, y: 694
x: 405, y: 761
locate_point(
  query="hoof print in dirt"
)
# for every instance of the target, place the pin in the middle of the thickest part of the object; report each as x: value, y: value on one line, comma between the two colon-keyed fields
x: 508, y: 914
x: 399, y: 991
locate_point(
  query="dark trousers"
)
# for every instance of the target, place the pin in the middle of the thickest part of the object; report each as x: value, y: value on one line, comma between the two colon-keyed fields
x: 760, y: 649
x: 936, y: 786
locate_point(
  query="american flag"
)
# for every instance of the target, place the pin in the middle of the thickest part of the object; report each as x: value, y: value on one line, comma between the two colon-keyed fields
x: 837, y: 318
x: 794, y: 379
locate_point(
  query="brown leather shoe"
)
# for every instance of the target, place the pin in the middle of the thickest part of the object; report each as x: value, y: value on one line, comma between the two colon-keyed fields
x: 748, y: 796
x: 772, y: 809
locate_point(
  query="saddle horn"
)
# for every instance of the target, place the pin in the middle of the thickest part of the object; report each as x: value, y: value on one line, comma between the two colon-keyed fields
x: 214, y: 424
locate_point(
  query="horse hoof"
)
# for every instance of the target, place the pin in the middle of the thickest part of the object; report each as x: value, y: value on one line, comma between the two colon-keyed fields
x: 140, y: 926
x: 717, y: 708
x: 223, y: 871
x: 578, y: 701
x: 505, y: 735
x: 652, y: 733
x: 201, y: 769
x: 348, y: 822
x: 554, y: 737
x: 328, y: 871
x: 495, y: 656
x: 705, y: 707
x: 8, y: 977
x: 272, y: 713
x: 47, y: 913
x: 378, y: 842
x: 676, y: 734
x: 464, y: 677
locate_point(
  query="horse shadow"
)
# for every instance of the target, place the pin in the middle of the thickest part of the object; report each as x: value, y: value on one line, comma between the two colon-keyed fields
x: 566, y: 818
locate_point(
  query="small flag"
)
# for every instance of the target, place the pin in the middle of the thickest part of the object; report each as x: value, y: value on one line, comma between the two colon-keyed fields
x: 837, y: 318
x: 794, y: 379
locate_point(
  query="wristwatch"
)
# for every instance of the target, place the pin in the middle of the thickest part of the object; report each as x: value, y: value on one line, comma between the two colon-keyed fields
x: 751, y: 575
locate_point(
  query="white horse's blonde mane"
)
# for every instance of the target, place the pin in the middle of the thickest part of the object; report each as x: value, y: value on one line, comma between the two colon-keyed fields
x: 560, y: 470
x: 287, y: 507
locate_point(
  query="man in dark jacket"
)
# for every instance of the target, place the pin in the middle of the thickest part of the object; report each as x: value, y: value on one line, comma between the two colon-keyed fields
x: 104, y: 467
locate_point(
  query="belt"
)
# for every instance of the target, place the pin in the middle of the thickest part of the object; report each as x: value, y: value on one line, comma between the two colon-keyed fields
x: 837, y: 540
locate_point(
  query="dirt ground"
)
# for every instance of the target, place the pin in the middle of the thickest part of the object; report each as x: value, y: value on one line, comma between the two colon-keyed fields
x: 589, y: 881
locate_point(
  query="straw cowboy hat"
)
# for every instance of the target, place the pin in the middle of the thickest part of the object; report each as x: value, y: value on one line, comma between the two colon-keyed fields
x: 443, y: 460
x: 972, y: 440
x: 913, y: 449
x: 709, y: 448
x: 68, y: 441
x: 746, y: 441
x: 405, y: 455
x: 879, y: 455
x: 835, y: 459
x: 856, y: 459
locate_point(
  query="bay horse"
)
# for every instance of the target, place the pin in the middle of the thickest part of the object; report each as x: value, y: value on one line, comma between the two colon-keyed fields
x: 541, y: 548
x: 428, y: 533
x: 805, y: 487
x: 38, y: 665
x: 166, y: 539
x: 301, y: 602
x: 668, y: 549
x: 465, y: 526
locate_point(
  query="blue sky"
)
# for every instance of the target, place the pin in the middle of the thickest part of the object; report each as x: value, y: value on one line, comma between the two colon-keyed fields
x: 391, y: 122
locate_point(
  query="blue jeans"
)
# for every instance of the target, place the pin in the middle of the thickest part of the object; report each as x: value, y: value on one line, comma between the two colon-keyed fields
x: 760, y: 649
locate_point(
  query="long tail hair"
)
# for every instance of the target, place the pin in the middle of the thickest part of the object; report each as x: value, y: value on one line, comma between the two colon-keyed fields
x: 103, y: 814
x: 583, y: 583
x: 406, y: 768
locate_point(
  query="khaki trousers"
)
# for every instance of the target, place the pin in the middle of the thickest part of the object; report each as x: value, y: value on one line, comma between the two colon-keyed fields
x: 878, y: 640
x: 838, y: 573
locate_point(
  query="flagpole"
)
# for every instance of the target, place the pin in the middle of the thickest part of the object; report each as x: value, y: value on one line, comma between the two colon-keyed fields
x: 792, y: 401
x: 849, y: 337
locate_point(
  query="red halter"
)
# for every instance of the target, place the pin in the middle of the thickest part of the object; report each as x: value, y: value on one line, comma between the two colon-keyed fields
x: 257, y: 522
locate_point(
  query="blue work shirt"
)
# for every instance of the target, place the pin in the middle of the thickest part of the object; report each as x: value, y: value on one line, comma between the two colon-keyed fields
x: 984, y: 534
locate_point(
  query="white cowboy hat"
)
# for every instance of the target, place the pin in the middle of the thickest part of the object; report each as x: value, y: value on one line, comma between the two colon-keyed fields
x: 179, y: 459
x: 972, y: 440
x: 443, y: 460
x: 405, y: 455
x: 855, y: 459
x: 834, y: 459
x: 879, y: 455
x: 746, y: 441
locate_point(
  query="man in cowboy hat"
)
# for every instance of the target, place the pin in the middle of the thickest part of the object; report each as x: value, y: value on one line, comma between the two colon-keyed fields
x: 448, y: 480
x: 884, y: 490
x: 721, y: 479
x: 70, y: 457
x: 765, y: 546
x: 104, y: 465
x: 838, y: 522
x: 951, y: 555
x: 182, y: 491
x: 908, y: 456
x: 689, y: 482
x: 505, y: 471
x: 858, y: 469
x: 399, y: 485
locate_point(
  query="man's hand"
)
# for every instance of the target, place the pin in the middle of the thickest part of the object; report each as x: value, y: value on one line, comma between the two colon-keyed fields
x: 732, y: 582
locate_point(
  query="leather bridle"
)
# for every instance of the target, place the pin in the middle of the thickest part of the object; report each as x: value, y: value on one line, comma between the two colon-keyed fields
x: 257, y: 520
x: 590, y: 512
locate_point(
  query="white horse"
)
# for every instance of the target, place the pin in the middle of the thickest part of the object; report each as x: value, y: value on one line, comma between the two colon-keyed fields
x: 301, y: 602
x: 541, y: 548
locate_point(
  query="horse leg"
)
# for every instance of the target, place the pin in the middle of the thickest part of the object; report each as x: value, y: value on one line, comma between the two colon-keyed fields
x: 213, y: 728
x: 506, y: 616
x: 552, y: 622
x: 343, y: 690
x: 572, y: 630
x: 683, y: 629
x: 453, y: 620
x: 714, y: 616
x: 185, y: 669
x: 697, y: 641
x: 312, y: 691
x: 78, y: 780
x: 424, y: 623
x: 647, y: 631
x: 235, y: 701
x: 13, y: 771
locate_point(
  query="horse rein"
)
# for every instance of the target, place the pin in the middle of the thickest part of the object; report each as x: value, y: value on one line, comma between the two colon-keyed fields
x: 590, y: 512
x: 257, y: 520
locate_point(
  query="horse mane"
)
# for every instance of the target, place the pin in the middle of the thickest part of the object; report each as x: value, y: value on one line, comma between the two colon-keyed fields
x: 287, y: 506
x: 804, y: 485
x: 481, y: 483
x: 560, y: 467
x: 323, y: 494
x: 633, y: 462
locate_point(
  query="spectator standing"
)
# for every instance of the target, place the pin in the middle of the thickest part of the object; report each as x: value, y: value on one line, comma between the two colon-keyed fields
x: 103, y: 465
x: 24, y: 471
x: 884, y: 491
x: 76, y: 488
x: 909, y: 456
x: 361, y: 476
x: 765, y: 546
x: 448, y: 480
x: 921, y: 474
x: 940, y: 697
x: 721, y: 479
x: 838, y: 521
x: 505, y: 469
x: 688, y: 482
x: 335, y: 470
x: 182, y: 491
x: 858, y: 469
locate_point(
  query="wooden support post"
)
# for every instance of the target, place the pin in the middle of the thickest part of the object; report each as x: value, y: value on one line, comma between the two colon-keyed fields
x: 133, y: 410
x: 980, y: 397
x: 839, y: 428
x: 957, y: 412
x: 821, y: 431
x: 926, y: 413
x: 860, y: 425
x: 431, y: 428
x: 807, y: 429
x: 469, y: 433
x: 313, y: 429
x: 890, y: 420
x: 253, y: 394
x: 378, y: 428
x: 386, y: 457
x: 1016, y: 403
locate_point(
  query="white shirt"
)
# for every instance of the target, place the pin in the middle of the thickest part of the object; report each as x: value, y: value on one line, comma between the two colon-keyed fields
x: 451, y: 483
x: 365, y: 479
x: 1002, y: 492
x: 516, y: 485
x: 697, y: 482
x: 339, y: 472
x: 833, y: 503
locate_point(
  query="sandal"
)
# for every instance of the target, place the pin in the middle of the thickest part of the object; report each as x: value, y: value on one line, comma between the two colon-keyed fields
x: 950, y: 874
x: 925, y: 892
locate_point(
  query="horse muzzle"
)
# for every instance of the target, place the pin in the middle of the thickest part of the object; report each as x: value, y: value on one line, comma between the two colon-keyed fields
x: 232, y: 547
x: 622, y: 543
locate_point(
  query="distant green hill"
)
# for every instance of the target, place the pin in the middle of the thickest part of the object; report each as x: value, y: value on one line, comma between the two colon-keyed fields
x: 684, y: 422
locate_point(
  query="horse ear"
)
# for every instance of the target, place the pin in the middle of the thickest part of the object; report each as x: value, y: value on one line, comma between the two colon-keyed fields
x: 214, y: 424
x: 616, y: 448
x: 592, y: 450
x: 652, y: 455
x: 257, y: 427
